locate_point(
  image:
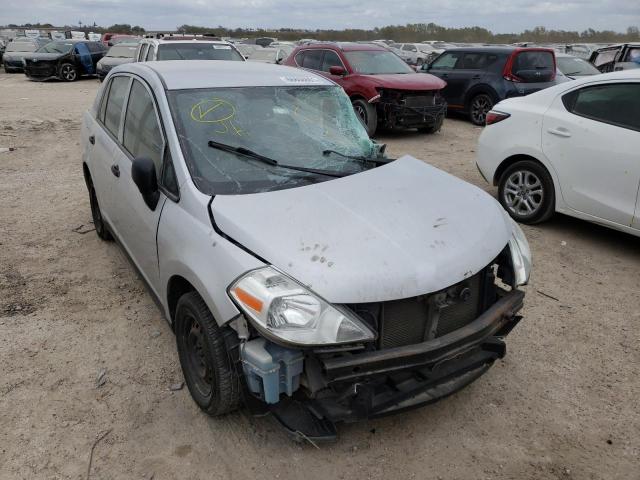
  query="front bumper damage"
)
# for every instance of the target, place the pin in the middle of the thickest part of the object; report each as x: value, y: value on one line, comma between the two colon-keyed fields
x: 399, y: 109
x: 342, y: 385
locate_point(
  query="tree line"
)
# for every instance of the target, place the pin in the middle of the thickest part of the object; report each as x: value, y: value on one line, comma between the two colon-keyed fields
x: 414, y: 32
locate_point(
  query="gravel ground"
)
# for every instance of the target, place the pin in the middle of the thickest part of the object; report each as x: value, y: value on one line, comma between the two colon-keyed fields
x: 562, y: 404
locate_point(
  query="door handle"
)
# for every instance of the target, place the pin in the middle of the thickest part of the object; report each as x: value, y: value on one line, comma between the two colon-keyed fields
x: 476, y: 77
x: 92, y: 139
x: 115, y: 169
x: 560, y: 132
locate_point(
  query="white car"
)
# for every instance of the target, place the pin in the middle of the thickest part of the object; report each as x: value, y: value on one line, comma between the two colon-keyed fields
x: 186, y: 47
x: 573, y: 148
x: 302, y: 271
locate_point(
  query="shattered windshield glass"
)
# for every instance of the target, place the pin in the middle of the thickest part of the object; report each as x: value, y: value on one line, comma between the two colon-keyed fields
x: 310, y: 127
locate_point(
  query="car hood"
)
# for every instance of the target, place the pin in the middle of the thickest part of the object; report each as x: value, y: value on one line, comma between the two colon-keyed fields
x: 407, y: 81
x: 16, y: 55
x: 44, y: 56
x: 113, y: 61
x: 396, y: 231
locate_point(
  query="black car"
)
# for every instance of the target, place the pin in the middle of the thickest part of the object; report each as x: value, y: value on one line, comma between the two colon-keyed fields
x: 66, y: 60
x: 479, y: 77
x: 616, y: 57
x: 122, y: 52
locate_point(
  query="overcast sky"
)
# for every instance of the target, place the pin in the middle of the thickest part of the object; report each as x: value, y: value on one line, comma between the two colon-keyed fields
x: 500, y: 16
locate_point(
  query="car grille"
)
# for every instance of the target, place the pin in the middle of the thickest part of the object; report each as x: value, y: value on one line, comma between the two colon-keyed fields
x: 417, y: 319
x: 43, y: 70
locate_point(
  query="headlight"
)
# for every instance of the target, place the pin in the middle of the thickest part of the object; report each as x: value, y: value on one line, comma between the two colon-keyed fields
x: 520, y: 255
x: 279, y: 306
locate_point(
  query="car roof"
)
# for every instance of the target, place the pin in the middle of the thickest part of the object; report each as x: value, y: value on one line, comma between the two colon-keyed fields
x: 191, y: 74
x: 346, y: 46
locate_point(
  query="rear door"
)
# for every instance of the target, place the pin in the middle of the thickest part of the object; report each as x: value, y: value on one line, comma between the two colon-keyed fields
x: 592, y: 137
x: 135, y: 223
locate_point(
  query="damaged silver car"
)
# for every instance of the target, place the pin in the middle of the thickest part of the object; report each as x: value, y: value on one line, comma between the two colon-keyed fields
x: 303, y: 272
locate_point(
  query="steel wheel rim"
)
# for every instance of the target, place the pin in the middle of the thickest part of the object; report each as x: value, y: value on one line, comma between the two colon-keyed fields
x: 479, y: 108
x: 68, y: 73
x: 362, y: 113
x: 523, y: 193
x: 95, y: 211
x: 196, y: 357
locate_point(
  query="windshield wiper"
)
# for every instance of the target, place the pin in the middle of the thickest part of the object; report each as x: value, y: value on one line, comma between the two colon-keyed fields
x: 245, y: 152
x: 572, y: 73
x: 378, y: 161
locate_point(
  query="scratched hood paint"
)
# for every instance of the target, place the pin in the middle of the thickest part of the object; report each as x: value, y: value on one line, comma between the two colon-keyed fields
x: 396, y: 231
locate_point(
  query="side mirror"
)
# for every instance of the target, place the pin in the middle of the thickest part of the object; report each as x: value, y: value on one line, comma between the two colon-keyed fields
x: 143, y: 174
x: 337, y: 70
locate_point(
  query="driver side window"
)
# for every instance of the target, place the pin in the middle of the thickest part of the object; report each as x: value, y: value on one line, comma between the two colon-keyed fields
x: 447, y: 61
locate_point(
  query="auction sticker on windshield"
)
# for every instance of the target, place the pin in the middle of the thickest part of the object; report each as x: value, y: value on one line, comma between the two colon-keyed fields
x: 301, y: 80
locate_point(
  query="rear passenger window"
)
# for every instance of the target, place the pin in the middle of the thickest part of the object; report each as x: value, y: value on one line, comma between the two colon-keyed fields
x: 115, y: 103
x: 312, y: 59
x: 142, y: 132
x: 615, y: 104
x: 473, y: 61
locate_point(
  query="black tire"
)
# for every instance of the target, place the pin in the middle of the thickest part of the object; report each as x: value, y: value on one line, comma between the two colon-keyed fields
x: 206, y: 366
x: 68, y: 72
x: 367, y: 114
x: 433, y: 128
x: 98, y: 222
x: 526, y: 192
x: 479, y: 106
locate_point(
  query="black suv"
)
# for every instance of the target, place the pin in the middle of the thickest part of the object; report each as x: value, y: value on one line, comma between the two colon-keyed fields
x: 479, y: 77
x: 616, y: 57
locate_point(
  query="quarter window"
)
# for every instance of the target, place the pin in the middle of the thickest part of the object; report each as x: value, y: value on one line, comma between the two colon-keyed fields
x: 142, y: 132
x: 616, y: 104
x: 149, y: 55
x: 143, y: 52
x: 115, y: 103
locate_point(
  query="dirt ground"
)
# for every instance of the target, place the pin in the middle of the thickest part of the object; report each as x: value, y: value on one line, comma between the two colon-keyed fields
x: 563, y: 404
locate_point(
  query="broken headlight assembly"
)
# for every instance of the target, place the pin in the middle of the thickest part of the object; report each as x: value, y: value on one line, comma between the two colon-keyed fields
x: 283, y: 309
x: 520, y: 255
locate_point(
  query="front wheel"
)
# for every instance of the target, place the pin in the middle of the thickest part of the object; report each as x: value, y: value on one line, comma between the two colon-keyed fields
x: 207, y: 369
x: 479, y: 106
x: 526, y: 192
x: 367, y: 115
x: 68, y: 72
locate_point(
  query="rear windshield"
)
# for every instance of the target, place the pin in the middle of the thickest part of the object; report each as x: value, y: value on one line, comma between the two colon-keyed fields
x: 197, y: 51
x: 122, y: 51
x: 533, y: 61
x: 21, y: 47
x: 376, y: 62
x: 576, y: 66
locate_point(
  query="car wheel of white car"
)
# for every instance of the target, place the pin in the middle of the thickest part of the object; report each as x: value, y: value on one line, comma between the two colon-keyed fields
x: 366, y: 114
x: 526, y: 192
x: 207, y: 369
x: 68, y: 72
x: 479, y: 106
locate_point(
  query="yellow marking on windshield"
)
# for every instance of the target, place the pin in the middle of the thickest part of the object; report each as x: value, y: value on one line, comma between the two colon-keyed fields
x: 217, y: 111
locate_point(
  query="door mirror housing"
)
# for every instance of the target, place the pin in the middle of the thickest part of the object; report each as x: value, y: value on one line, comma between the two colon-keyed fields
x: 143, y: 174
x: 337, y: 70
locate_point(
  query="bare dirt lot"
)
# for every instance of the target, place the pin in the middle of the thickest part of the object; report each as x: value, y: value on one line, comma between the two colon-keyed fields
x: 563, y: 404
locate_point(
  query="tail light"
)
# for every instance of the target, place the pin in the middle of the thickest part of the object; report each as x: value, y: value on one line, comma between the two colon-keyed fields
x: 495, y: 117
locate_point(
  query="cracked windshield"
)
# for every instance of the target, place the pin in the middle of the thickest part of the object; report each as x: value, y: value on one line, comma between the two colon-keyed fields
x: 290, y: 129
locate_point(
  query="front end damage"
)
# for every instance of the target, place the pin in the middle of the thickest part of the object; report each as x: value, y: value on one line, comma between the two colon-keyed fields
x: 426, y: 348
x: 411, y: 109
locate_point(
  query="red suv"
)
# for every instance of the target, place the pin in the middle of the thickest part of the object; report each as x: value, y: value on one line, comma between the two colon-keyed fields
x: 384, y: 90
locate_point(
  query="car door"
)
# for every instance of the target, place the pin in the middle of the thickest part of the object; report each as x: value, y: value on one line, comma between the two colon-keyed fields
x: 591, y: 135
x: 331, y: 59
x: 446, y: 67
x: 84, y: 55
x: 103, y: 138
x: 135, y: 223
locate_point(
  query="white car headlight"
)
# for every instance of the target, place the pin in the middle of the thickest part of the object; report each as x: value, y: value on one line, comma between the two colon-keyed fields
x: 520, y: 255
x: 279, y: 306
